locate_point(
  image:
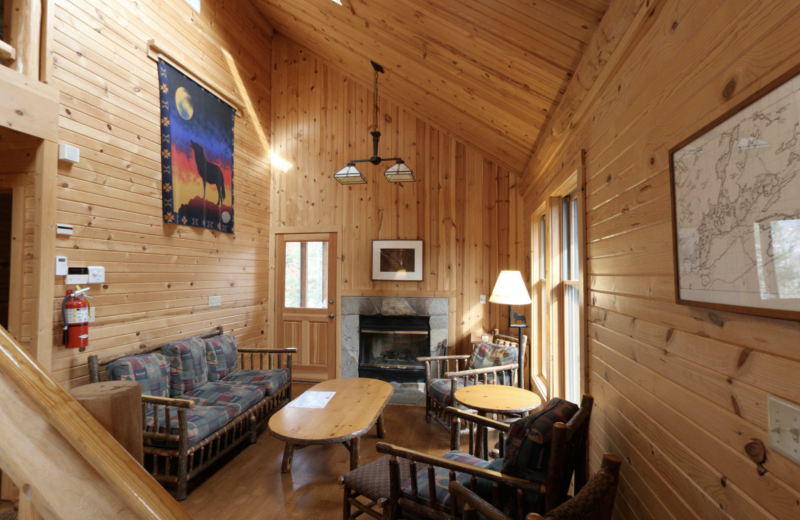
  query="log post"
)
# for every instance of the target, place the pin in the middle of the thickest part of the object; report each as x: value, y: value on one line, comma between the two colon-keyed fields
x: 26, y: 30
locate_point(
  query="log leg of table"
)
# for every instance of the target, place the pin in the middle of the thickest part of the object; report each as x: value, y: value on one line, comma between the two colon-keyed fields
x: 288, y: 451
x: 381, y: 427
x: 480, y: 439
x: 355, y: 453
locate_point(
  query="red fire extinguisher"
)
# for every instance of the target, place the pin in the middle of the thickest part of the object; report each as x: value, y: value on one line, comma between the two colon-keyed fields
x: 75, y: 312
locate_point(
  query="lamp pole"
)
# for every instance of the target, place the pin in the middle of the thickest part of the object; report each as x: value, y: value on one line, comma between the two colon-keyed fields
x: 512, y: 318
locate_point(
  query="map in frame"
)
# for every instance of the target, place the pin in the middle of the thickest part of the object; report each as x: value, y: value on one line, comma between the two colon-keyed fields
x: 736, y: 194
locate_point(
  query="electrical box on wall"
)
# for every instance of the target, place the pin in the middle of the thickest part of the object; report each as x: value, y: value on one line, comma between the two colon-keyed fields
x: 77, y: 276
x: 63, y: 229
x: 784, y: 428
x: 97, y: 274
x: 69, y: 153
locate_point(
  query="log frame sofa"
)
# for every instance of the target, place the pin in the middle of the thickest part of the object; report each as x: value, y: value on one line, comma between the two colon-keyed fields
x: 175, y: 455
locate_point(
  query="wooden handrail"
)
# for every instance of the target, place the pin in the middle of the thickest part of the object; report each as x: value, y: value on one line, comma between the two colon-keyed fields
x: 137, y: 489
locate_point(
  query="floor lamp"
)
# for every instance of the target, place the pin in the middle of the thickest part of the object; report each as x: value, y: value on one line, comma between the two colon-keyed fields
x: 510, y: 290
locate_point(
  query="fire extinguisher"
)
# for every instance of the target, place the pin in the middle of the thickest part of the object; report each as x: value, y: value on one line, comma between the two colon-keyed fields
x: 75, y: 312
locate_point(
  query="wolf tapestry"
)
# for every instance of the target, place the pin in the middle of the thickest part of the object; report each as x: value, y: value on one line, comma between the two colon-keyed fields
x: 196, y: 153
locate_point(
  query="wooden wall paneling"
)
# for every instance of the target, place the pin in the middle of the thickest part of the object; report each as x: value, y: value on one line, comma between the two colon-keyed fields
x: 453, y: 179
x: 110, y: 110
x: 683, y: 387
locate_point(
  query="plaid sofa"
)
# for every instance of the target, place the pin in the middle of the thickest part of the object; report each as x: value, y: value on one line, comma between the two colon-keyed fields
x: 195, y: 393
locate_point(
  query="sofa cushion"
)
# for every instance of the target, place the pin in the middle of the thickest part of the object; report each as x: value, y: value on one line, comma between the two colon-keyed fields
x: 486, y: 355
x: 151, y: 371
x: 188, y: 367
x: 237, y: 397
x: 223, y: 358
x: 528, y: 442
x: 442, y: 479
x: 440, y: 390
x: 201, y: 420
x: 269, y: 380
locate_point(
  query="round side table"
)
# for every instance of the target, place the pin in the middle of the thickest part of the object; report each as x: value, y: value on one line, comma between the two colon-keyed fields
x: 499, y: 399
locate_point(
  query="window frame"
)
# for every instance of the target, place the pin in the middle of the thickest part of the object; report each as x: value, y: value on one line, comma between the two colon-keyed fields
x: 540, y: 334
x: 564, y: 268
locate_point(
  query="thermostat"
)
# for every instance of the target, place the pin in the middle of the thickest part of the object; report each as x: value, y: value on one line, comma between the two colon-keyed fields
x: 97, y: 274
x: 61, y: 266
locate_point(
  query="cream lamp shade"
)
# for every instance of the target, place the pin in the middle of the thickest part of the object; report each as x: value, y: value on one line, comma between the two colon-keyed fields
x: 510, y: 289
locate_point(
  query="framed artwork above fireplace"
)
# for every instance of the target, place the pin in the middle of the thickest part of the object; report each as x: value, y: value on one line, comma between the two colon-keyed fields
x: 399, y: 260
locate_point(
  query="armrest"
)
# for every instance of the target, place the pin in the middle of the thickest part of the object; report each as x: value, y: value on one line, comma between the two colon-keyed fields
x: 477, y: 419
x: 168, y: 401
x: 443, y: 358
x: 290, y: 350
x: 477, y: 503
x: 478, y: 371
x: 494, y: 476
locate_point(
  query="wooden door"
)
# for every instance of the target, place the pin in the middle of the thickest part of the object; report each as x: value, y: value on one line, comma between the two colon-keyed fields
x: 305, y: 303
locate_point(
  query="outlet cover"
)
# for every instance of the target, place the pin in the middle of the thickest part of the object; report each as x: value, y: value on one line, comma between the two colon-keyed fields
x: 214, y: 301
x: 483, y: 299
x: 784, y: 428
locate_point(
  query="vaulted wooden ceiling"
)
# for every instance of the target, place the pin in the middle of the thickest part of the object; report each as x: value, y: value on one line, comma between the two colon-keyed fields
x: 488, y: 71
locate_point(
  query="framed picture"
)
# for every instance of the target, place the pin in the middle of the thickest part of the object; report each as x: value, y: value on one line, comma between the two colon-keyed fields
x: 397, y: 260
x: 736, y: 207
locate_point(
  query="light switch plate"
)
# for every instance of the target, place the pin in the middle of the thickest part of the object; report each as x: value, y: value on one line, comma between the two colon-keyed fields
x: 91, y: 314
x: 784, y: 428
x: 483, y: 299
x: 214, y: 301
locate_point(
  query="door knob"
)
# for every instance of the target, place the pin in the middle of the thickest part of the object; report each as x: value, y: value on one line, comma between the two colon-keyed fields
x: 331, y: 315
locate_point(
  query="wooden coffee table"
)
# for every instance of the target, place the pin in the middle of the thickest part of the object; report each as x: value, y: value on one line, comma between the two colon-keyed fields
x: 353, y: 411
x: 500, y: 399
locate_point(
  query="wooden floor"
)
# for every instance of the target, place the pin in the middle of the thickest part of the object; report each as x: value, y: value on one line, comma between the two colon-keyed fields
x: 251, y: 486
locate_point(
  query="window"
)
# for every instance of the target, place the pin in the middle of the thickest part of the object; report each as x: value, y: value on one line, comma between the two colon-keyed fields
x: 540, y: 355
x: 572, y: 305
x: 557, y: 369
x: 306, y: 284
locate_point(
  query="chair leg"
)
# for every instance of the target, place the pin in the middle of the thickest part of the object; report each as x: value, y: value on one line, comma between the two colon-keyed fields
x: 427, y: 407
x: 346, y: 505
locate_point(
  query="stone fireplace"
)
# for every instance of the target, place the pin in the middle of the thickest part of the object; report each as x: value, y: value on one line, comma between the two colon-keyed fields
x: 382, y: 337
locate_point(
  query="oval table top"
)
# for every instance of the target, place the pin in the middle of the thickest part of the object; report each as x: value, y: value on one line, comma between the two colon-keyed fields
x: 351, y: 412
x: 497, y: 398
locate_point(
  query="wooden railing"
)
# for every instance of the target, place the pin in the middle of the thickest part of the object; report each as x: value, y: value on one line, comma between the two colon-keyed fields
x: 62, y: 459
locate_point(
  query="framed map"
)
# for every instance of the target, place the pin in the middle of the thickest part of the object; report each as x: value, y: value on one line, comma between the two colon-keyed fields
x: 736, y: 208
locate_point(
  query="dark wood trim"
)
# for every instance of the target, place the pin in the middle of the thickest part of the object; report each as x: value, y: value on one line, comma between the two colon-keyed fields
x: 736, y: 108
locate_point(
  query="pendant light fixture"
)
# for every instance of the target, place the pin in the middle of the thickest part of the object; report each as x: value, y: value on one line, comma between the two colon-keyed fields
x: 398, y: 172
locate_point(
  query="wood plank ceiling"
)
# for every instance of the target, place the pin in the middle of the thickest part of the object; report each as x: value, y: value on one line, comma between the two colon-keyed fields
x: 489, y: 71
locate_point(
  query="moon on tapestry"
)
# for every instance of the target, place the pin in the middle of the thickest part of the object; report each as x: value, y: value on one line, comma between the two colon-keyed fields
x: 183, y: 102
x: 196, y: 153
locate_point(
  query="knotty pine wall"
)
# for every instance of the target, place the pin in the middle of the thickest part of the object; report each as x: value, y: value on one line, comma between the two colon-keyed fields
x: 679, y: 391
x: 464, y: 207
x: 158, y: 276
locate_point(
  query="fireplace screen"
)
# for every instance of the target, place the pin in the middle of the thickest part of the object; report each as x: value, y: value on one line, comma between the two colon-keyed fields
x: 393, y: 343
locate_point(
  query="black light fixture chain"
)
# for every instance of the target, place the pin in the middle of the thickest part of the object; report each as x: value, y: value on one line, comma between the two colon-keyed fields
x: 375, y: 104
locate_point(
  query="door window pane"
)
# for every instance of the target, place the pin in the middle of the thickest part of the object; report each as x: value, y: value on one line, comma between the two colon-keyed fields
x: 292, y: 292
x: 306, y: 277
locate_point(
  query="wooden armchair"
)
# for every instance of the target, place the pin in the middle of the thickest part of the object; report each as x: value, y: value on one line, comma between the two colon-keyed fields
x: 441, y: 383
x: 567, y: 457
x: 594, y: 502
